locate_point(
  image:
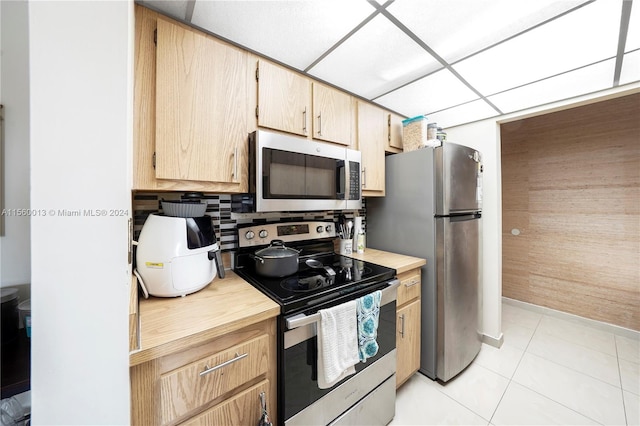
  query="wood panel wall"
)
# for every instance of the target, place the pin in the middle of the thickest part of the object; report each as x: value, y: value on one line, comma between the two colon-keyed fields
x: 571, y: 187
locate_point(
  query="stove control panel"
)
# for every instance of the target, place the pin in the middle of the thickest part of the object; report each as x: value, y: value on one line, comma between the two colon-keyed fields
x: 264, y: 233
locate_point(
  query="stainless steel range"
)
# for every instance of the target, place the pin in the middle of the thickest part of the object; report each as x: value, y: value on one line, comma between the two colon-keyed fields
x: 323, y: 280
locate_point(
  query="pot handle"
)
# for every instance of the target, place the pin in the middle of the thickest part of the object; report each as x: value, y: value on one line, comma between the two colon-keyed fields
x: 255, y: 256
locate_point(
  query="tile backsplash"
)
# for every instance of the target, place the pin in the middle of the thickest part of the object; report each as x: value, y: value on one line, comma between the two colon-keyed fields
x: 224, y: 220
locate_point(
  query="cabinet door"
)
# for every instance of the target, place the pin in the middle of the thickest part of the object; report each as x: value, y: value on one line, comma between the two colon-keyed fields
x: 332, y: 115
x: 372, y: 131
x: 243, y: 409
x: 408, y: 341
x: 284, y: 99
x: 201, y: 98
x: 394, y: 132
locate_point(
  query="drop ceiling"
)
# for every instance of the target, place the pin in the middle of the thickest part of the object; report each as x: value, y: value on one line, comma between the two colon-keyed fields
x: 455, y: 61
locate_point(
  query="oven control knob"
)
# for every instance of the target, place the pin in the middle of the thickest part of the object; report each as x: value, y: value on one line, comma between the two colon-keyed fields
x: 249, y: 235
x: 328, y: 228
x: 263, y: 233
x: 320, y: 229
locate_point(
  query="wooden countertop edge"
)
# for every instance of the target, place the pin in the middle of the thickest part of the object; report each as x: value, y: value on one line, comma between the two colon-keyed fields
x: 186, y: 342
x: 167, y: 325
x: 400, y: 262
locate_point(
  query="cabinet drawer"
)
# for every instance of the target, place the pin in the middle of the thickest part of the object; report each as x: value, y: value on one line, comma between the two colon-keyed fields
x: 243, y: 409
x: 409, y: 286
x: 189, y: 387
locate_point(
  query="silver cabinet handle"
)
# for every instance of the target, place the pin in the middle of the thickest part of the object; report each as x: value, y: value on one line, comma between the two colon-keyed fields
x: 411, y: 283
x: 208, y: 370
x: 364, y: 177
x: 235, y: 164
x: 320, y: 124
x: 402, y: 326
x: 304, y: 120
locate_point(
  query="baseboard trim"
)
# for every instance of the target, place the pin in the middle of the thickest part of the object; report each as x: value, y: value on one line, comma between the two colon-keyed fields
x: 603, y: 326
x: 492, y: 341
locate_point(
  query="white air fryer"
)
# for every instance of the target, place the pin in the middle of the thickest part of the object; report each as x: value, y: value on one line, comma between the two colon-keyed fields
x: 177, y: 256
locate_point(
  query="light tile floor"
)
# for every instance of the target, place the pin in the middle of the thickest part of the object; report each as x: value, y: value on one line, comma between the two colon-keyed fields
x: 551, y: 370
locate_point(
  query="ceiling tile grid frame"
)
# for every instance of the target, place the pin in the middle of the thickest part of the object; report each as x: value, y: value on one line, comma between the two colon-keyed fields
x: 295, y: 33
x: 487, y: 38
x: 377, y: 58
x: 459, y: 28
x: 588, y: 35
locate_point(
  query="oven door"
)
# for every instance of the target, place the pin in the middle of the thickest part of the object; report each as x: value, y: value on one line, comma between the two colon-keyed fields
x: 302, y: 402
x: 293, y: 174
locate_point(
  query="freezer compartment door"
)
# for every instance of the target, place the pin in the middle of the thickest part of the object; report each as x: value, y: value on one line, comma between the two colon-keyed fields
x: 458, y: 277
x: 458, y: 179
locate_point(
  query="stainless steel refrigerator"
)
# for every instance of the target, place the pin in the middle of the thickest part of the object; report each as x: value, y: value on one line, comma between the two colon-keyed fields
x: 432, y: 210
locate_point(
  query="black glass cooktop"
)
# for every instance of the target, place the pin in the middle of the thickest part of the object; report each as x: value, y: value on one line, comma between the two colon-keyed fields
x: 319, y: 278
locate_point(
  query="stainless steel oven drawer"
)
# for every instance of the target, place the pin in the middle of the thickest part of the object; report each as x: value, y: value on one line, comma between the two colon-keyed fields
x: 377, y: 408
x: 350, y: 393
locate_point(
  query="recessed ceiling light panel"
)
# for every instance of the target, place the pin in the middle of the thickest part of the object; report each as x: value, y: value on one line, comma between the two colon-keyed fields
x: 583, y: 37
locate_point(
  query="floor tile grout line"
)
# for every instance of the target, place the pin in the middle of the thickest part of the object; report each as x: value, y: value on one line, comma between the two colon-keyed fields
x: 579, y: 344
x: 624, y: 405
x: 576, y: 371
x: 582, y: 372
x: 500, y: 401
x: 459, y: 402
x: 579, y: 372
x: 557, y: 402
x: 524, y: 352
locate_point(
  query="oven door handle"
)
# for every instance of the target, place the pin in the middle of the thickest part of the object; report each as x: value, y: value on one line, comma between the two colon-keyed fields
x: 388, y: 295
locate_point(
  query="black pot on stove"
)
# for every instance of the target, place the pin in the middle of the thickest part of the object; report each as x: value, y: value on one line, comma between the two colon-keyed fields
x: 277, y: 260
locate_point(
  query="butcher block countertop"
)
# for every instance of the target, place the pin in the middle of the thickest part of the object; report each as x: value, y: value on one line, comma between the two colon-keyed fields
x: 224, y: 306
x: 400, y: 262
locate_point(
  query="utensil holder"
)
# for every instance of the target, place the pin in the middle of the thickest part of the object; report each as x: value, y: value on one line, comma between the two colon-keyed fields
x: 346, y: 247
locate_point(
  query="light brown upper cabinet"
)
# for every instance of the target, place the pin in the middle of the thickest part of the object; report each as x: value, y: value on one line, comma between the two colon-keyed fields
x: 191, y: 108
x: 332, y: 115
x: 372, y: 138
x: 284, y: 99
x: 394, y: 133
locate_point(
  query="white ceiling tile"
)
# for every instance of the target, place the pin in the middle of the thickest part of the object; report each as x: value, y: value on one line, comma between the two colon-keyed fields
x: 585, y: 80
x: 630, y: 68
x: 293, y: 32
x: 633, y: 33
x: 582, y: 37
x: 465, y: 113
x: 377, y: 58
x: 437, y: 91
x: 175, y: 9
x: 457, y: 28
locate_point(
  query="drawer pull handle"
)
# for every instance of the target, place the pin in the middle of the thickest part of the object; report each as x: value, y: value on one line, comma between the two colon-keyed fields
x: 208, y: 370
x: 411, y: 283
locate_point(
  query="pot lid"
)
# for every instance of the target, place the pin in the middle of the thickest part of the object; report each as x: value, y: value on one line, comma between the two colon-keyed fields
x: 276, y: 250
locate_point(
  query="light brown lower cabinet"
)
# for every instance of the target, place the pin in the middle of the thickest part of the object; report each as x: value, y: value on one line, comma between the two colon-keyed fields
x: 408, y: 326
x: 240, y: 410
x: 218, y: 382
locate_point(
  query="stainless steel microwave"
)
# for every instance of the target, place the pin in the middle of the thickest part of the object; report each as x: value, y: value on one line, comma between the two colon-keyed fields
x: 290, y: 173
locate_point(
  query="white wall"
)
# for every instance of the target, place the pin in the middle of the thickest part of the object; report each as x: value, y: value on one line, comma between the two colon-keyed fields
x: 81, y: 135
x: 15, y: 267
x: 485, y: 137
